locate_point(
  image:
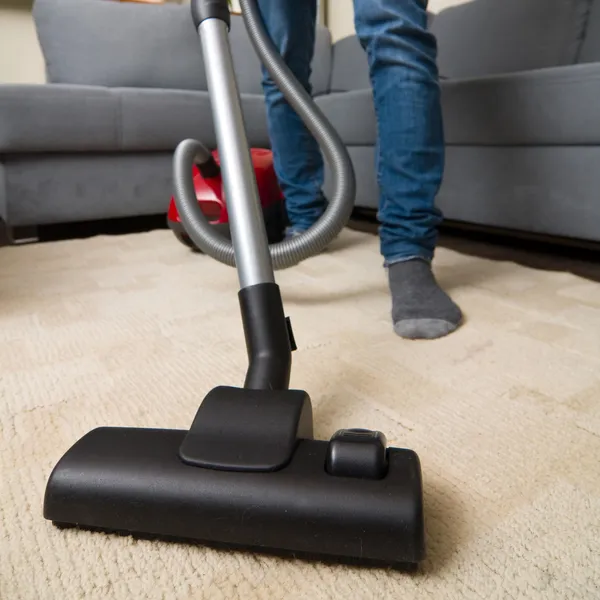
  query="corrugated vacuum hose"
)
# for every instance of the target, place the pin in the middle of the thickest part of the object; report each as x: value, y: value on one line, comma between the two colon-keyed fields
x: 250, y: 250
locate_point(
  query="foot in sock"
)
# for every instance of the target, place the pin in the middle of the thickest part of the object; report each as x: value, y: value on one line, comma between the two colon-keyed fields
x: 420, y: 308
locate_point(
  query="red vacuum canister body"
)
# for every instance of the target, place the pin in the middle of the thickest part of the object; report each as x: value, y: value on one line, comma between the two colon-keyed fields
x: 210, y: 195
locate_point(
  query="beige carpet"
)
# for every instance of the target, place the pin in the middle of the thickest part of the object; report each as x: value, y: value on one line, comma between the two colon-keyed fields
x: 505, y: 414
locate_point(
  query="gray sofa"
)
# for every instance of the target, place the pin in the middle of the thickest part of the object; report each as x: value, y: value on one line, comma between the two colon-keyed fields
x: 520, y: 89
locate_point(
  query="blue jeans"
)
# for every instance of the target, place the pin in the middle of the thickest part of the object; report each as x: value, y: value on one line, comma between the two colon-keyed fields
x: 401, y: 54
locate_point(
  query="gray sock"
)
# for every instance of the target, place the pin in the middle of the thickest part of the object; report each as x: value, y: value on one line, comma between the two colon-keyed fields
x: 420, y: 308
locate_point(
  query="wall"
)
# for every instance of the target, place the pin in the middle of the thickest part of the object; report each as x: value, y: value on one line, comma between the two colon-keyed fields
x: 340, y: 14
x: 21, y: 60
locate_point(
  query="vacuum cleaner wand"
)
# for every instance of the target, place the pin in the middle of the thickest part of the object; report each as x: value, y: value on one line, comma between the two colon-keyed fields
x: 266, y: 329
x: 248, y: 473
x: 248, y: 233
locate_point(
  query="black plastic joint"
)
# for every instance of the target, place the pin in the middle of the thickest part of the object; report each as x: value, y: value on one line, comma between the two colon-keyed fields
x: 210, y: 9
x: 209, y: 169
x: 269, y: 338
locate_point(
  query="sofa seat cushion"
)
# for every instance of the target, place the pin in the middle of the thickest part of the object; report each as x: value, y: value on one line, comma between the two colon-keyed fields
x: 352, y: 114
x: 159, y: 119
x: 555, y: 106
x: 69, y: 118
x: 40, y: 118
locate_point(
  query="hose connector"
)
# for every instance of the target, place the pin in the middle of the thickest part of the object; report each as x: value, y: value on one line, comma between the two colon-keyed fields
x: 210, y: 9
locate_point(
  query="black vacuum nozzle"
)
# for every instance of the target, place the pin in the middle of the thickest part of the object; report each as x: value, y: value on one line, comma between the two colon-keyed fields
x: 347, y: 499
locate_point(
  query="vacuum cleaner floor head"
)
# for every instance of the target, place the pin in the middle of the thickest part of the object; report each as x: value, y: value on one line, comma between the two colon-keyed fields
x: 263, y: 486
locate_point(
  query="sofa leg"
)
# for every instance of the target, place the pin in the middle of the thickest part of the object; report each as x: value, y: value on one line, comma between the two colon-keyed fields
x: 22, y: 235
x: 4, y: 238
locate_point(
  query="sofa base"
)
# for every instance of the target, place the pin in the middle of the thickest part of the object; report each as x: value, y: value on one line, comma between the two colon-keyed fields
x: 44, y: 189
x: 549, y: 190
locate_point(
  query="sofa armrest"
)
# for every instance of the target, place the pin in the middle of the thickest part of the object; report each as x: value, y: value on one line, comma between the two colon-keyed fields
x: 57, y: 117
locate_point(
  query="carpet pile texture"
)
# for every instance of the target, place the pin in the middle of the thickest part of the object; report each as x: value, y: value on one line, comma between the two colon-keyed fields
x: 134, y: 330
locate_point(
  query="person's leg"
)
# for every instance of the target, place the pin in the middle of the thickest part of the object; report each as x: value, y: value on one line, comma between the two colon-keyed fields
x: 410, y: 159
x: 297, y: 158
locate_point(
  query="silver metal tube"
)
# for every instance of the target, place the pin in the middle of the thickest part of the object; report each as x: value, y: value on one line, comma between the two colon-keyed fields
x: 248, y: 233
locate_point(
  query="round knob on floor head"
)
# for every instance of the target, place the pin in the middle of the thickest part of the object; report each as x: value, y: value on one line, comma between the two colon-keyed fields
x: 358, y: 453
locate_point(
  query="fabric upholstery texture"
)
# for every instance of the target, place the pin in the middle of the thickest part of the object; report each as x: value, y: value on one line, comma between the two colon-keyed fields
x: 37, y: 118
x: 508, y: 35
x: 590, y: 48
x: 521, y: 122
x: 547, y: 106
x: 352, y: 114
x: 248, y: 66
x: 66, y: 118
x: 350, y: 68
x: 549, y: 190
x: 146, y: 46
x: 62, y: 188
x: 119, y: 44
x: 158, y: 120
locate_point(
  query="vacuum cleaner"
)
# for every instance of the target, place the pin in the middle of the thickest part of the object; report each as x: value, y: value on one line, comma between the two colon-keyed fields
x: 208, y: 186
x: 249, y: 474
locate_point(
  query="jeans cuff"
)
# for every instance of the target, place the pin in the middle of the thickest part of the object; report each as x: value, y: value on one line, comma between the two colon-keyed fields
x: 291, y: 231
x: 388, y: 262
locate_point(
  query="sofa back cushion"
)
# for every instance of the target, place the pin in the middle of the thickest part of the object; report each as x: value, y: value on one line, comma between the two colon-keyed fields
x: 248, y: 66
x: 114, y: 44
x: 590, y: 48
x: 349, y: 65
x: 350, y: 70
x: 100, y: 42
x: 487, y: 37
